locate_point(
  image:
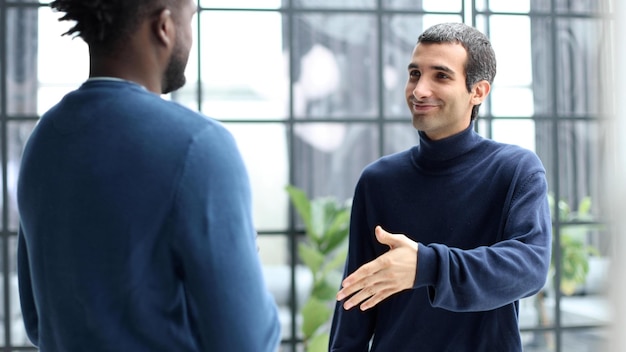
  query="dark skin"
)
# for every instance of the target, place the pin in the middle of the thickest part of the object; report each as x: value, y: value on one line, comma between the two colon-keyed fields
x: 143, y: 57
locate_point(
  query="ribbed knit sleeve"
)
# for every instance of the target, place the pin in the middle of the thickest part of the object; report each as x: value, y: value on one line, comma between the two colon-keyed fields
x: 488, y: 277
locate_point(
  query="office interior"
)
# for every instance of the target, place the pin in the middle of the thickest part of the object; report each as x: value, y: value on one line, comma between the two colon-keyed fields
x: 313, y: 91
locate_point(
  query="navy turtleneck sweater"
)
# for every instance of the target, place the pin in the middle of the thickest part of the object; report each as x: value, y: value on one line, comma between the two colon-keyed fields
x: 479, y: 211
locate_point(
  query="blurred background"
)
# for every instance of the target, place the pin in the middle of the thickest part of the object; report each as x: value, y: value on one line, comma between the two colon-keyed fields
x: 313, y: 90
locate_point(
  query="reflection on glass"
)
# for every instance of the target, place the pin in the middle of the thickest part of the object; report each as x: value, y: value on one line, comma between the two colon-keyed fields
x: 323, y: 169
x: 582, y: 54
x: 399, y: 137
x: 335, y: 61
x: 21, y: 61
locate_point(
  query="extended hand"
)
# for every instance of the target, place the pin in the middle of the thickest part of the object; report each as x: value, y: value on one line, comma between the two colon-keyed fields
x: 392, y: 272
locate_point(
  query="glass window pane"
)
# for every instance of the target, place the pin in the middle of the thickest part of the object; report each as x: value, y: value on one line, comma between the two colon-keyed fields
x: 426, y: 5
x: 582, y: 54
x: 584, y: 6
x: 21, y: 60
x: 538, y: 341
x: 273, y: 250
x: 352, y: 4
x: 57, y: 73
x: 581, y: 161
x: 586, y: 340
x: 537, y: 312
x: 399, y: 137
x: 335, y: 66
x: 510, y: 101
x: 544, y: 75
x: 329, y: 157
x: 539, y: 5
x: 585, y: 262
x: 244, y: 74
x: 242, y: 4
x: 513, y: 49
x: 519, y: 6
x: 519, y: 132
x: 264, y: 150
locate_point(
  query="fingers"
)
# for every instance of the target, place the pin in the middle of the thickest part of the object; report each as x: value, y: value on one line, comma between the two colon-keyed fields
x: 358, y: 279
x: 368, y: 297
x: 392, y: 272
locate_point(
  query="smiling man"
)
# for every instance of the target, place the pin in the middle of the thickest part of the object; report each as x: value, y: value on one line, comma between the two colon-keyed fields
x: 448, y: 236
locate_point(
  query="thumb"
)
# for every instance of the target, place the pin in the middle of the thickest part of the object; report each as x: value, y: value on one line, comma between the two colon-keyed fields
x: 390, y: 239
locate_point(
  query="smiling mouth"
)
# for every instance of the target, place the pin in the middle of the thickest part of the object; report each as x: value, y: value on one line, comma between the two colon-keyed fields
x: 423, y: 107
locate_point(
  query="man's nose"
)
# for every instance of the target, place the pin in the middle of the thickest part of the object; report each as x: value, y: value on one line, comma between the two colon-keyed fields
x: 422, y: 89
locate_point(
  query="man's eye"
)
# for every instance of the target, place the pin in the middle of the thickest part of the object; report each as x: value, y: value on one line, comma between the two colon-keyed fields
x: 414, y: 74
x: 443, y: 76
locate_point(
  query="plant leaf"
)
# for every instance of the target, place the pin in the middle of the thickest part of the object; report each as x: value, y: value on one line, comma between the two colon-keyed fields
x: 318, y: 343
x: 311, y: 257
x: 324, y: 290
x: 338, y: 261
x: 337, y: 231
x: 301, y: 203
x: 315, y: 313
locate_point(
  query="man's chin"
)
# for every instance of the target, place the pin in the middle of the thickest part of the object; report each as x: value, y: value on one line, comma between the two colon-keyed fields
x: 173, y: 86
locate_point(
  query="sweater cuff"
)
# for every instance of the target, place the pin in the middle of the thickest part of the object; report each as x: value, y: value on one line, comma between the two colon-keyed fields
x: 426, y: 266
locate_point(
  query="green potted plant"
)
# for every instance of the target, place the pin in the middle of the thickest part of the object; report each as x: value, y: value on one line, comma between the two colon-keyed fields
x: 324, y: 250
x: 575, y: 251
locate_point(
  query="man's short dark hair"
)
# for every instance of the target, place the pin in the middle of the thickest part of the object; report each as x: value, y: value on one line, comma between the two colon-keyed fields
x: 103, y: 24
x: 481, y: 59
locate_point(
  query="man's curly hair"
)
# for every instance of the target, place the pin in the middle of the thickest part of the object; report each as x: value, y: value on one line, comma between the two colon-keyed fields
x: 102, y: 24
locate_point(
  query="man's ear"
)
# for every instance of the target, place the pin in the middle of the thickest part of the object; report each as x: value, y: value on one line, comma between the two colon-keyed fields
x: 480, y: 91
x: 164, y: 28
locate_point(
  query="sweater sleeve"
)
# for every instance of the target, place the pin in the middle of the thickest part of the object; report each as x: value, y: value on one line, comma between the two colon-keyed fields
x: 489, y: 277
x: 27, y: 301
x: 351, y: 330
x: 215, y: 244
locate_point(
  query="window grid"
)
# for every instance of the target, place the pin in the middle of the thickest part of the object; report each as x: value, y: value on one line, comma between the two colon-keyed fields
x: 293, y: 232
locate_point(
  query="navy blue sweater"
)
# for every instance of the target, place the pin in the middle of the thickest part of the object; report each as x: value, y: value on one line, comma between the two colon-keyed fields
x: 136, y: 230
x: 479, y: 212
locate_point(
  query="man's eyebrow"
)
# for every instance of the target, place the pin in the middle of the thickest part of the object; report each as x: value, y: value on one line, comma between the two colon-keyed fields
x: 413, y: 66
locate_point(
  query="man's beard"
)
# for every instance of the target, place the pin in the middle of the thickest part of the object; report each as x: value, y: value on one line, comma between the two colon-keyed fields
x: 174, y: 77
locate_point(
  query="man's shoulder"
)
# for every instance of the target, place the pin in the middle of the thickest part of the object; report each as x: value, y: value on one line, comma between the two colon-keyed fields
x: 512, y: 154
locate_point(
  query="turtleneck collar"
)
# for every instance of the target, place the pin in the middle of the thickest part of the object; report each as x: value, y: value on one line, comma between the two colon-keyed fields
x: 440, y: 155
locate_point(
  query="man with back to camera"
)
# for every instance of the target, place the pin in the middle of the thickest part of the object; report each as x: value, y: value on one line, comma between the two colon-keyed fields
x: 448, y: 236
x: 136, y: 231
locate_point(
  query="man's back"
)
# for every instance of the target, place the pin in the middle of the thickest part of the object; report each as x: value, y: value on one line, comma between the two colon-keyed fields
x: 136, y: 232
